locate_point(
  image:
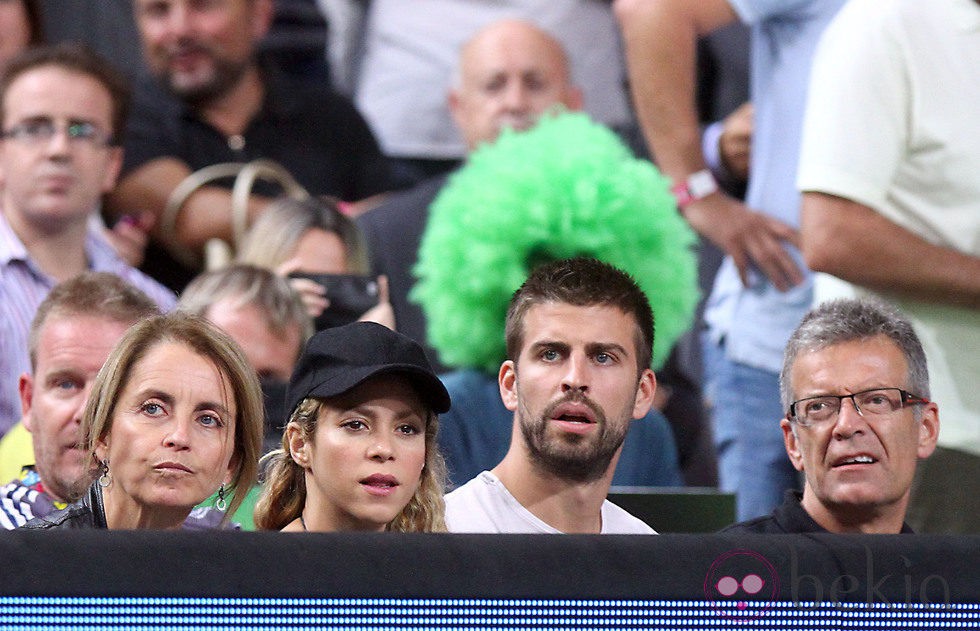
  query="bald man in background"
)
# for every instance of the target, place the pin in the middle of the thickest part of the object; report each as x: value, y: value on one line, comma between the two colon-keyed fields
x: 509, y: 74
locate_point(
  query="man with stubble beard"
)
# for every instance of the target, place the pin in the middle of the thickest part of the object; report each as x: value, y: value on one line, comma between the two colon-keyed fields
x: 579, y: 339
x: 213, y: 99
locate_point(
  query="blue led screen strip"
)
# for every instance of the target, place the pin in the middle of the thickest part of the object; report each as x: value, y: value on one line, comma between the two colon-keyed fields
x: 379, y: 613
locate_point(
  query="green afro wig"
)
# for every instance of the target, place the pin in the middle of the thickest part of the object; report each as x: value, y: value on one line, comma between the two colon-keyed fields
x: 568, y: 187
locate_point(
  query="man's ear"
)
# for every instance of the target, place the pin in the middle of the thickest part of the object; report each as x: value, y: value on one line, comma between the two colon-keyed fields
x: 928, y: 430
x: 507, y: 380
x: 453, y: 102
x: 646, y: 389
x: 792, y: 444
x: 25, y: 386
x: 299, y: 447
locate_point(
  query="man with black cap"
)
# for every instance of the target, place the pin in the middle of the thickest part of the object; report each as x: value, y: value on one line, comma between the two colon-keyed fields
x: 359, y: 450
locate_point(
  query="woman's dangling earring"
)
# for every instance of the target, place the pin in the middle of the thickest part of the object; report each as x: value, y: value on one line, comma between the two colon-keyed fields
x: 106, y: 478
x: 221, y: 504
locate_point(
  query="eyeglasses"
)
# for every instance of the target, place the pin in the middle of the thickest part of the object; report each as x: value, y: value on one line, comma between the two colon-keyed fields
x: 42, y: 130
x: 877, y: 402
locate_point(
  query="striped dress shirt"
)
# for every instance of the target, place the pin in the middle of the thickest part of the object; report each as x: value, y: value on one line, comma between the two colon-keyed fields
x: 22, y: 288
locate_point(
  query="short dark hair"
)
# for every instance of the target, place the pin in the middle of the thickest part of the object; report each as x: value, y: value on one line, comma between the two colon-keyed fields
x: 80, y: 59
x: 98, y: 294
x: 581, y: 281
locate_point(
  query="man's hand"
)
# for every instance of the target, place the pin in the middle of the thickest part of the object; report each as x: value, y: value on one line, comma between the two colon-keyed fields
x: 735, y: 143
x: 312, y: 294
x: 382, y: 313
x: 129, y: 237
x: 749, y: 237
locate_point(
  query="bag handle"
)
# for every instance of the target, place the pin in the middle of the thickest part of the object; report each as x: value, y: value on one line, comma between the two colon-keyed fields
x: 218, y: 252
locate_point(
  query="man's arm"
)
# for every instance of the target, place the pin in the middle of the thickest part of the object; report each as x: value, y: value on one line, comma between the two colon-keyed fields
x: 854, y: 242
x: 661, y: 39
x: 205, y: 215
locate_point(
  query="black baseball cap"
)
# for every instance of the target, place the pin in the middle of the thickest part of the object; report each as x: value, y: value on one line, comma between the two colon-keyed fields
x: 338, y: 359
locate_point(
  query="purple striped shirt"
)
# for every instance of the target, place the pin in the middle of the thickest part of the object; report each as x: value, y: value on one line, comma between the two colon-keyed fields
x: 22, y: 288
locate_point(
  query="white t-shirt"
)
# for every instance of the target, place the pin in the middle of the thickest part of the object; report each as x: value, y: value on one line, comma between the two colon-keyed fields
x: 410, y: 53
x: 892, y: 123
x: 485, y: 505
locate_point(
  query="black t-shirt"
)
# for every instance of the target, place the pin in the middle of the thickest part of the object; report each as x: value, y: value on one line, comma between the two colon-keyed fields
x: 315, y: 133
x: 392, y: 233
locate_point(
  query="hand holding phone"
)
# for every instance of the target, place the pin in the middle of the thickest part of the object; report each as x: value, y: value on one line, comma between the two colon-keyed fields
x: 348, y: 297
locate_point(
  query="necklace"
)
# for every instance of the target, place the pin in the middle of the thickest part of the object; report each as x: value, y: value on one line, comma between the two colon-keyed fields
x: 302, y: 522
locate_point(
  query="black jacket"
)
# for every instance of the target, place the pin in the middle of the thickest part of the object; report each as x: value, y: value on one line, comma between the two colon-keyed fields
x: 87, y: 512
x: 789, y: 518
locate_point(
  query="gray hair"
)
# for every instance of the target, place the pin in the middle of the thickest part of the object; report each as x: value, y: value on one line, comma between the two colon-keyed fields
x: 249, y: 285
x: 846, y: 320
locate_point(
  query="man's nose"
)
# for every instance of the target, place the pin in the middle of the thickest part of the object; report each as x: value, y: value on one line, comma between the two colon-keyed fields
x: 82, y: 404
x: 516, y: 96
x: 850, y: 420
x: 576, y: 374
x: 177, y: 19
x: 59, y: 144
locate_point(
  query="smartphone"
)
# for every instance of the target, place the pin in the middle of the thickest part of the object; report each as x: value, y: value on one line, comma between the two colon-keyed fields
x: 350, y: 295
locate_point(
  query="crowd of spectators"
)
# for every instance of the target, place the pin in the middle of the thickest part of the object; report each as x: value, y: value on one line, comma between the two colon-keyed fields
x: 823, y: 152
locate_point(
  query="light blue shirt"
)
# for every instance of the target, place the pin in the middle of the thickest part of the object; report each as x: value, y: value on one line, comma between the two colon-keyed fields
x: 757, y: 321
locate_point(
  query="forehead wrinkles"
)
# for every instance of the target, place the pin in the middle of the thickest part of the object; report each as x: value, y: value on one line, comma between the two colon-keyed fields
x: 848, y: 367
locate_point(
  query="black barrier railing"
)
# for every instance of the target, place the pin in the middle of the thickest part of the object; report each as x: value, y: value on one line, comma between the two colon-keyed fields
x: 148, y: 580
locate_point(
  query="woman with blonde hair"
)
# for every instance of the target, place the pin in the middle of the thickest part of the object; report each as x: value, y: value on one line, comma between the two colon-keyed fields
x: 174, y: 416
x: 304, y: 239
x: 359, y: 451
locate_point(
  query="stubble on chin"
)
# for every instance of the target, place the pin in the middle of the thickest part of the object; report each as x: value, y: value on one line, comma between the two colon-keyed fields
x: 570, y: 457
x: 207, y: 85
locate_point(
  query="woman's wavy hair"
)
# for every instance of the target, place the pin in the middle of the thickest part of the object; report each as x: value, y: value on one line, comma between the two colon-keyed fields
x: 209, y: 342
x: 284, y: 487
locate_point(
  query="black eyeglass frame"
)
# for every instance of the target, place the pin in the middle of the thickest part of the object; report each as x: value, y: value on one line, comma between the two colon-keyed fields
x: 40, y: 131
x: 907, y: 399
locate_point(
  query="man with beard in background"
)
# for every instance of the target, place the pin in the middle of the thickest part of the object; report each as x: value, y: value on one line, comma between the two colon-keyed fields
x: 579, y: 339
x: 213, y: 99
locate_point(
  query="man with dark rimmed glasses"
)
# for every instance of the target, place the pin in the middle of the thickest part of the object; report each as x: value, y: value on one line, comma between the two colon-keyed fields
x: 856, y: 390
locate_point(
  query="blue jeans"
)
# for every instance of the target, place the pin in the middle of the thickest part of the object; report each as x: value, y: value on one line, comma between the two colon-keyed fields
x: 744, y: 406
